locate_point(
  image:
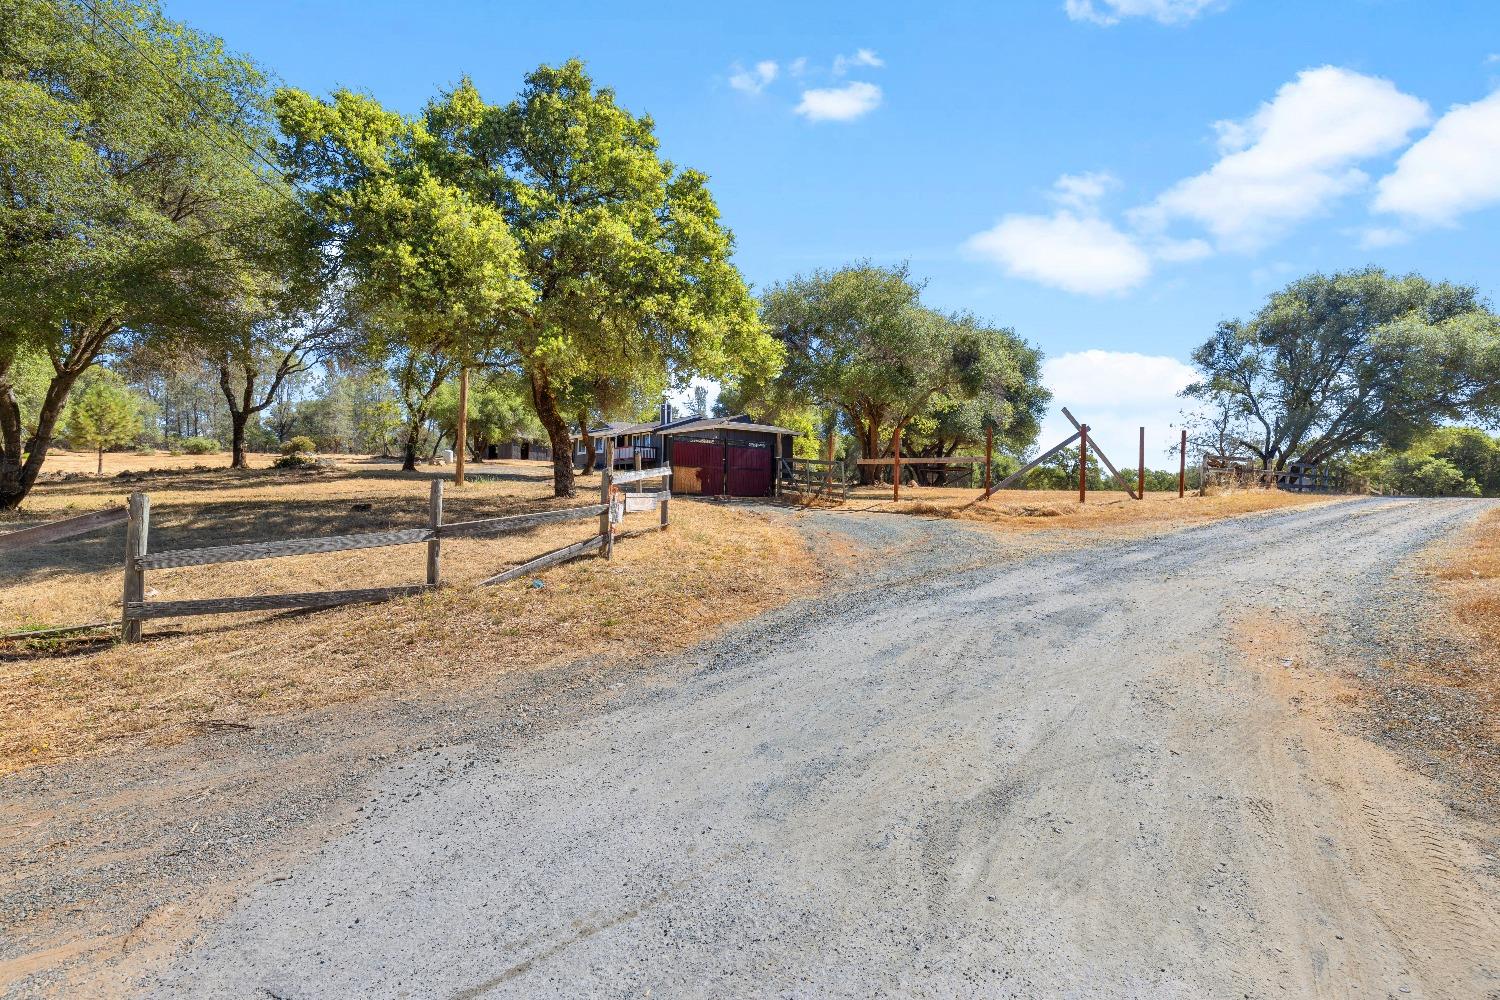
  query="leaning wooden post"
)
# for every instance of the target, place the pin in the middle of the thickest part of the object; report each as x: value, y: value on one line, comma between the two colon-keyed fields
x: 989, y: 458
x: 462, y: 431
x: 435, y: 544
x: 137, y: 529
x: 636, y: 451
x: 1182, y: 467
x: 1083, y: 463
x: 896, y: 476
x: 1140, y: 475
x: 606, y: 529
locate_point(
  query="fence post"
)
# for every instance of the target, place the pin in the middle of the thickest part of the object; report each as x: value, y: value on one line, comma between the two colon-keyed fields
x: 636, y: 451
x: 137, y: 529
x: 606, y: 530
x: 435, y: 544
x: 666, y: 498
x: 1083, y: 463
x: 896, y: 475
x: 989, y: 458
x: 1182, y: 466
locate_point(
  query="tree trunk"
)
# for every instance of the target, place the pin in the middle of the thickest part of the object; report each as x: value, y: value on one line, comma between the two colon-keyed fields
x: 590, y: 448
x: 409, y: 450
x: 18, y: 469
x: 100, y: 470
x: 544, y: 399
x: 237, y: 421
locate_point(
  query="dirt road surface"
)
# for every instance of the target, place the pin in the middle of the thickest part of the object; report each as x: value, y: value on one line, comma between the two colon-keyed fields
x: 1109, y: 771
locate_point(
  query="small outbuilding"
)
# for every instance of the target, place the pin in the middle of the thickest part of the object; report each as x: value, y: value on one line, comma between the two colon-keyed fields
x: 725, y: 456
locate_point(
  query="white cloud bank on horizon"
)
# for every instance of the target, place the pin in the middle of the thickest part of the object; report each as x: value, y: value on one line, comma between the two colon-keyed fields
x: 839, y: 104
x: 1109, y: 12
x: 1452, y: 170
x: 1116, y: 393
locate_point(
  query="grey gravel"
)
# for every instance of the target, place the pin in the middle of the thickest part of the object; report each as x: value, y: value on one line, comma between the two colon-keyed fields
x: 970, y: 772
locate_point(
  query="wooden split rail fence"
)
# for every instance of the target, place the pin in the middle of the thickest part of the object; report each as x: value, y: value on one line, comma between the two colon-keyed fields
x: 610, y: 510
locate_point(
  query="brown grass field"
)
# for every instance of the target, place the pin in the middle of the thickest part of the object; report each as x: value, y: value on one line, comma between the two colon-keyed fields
x: 718, y: 564
x: 1109, y: 513
x: 715, y: 565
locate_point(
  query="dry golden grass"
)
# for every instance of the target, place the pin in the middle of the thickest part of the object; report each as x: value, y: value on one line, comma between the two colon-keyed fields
x: 716, y: 565
x: 1469, y: 584
x: 1107, y: 512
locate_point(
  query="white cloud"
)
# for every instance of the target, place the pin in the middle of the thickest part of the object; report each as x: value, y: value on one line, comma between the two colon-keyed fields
x: 1112, y: 11
x: 1451, y: 170
x: 1082, y: 191
x: 1377, y: 237
x: 1292, y: 158
x: 797, y: 66
x: 839, y: 104
x: 862, y: 57
x: 755, y: 79
x: 1077, y: 253
x: 1116, y: 393
x: 1181, y: 251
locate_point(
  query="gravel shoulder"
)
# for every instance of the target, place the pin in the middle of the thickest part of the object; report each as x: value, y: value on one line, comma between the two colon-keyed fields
x: 1114, y: 771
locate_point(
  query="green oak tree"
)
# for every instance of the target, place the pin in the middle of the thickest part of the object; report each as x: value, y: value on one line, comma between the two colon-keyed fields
x: 129, y: 181
x: 1351, y: 361
x: 626, y: 260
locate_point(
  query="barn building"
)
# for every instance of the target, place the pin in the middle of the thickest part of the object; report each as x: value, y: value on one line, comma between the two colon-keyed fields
x: 725, y: 456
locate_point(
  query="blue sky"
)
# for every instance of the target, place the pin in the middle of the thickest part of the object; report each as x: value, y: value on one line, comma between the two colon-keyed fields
x: 1109, y: 177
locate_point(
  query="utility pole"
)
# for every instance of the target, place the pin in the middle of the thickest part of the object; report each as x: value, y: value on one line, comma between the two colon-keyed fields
x: 462, y: 432
x: 1182, y: 466
x: 1140, y: 475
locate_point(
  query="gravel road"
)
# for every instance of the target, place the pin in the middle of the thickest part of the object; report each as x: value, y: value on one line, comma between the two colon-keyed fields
x: 1105, y: 772
x: 1118, y: 769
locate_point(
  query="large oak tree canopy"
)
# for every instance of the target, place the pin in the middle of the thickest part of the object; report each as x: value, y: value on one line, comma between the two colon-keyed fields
x: 1348, y: 361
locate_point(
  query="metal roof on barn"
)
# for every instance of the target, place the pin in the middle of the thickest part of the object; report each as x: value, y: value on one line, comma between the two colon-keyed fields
x: 726, y: 423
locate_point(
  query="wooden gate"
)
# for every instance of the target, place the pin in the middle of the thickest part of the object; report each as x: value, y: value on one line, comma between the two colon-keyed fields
x: 698, y: 466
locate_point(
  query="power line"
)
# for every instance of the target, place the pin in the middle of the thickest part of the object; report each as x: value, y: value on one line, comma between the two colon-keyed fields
x: 206, y: 132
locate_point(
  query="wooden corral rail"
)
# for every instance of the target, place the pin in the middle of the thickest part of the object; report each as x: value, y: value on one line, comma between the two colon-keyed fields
x: 135, y: 608
x: 814, y: 478
x: 54, y: 531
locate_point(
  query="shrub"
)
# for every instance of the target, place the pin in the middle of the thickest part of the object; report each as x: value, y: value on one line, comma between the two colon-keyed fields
x: 145, y: 449
x: 299, y: 445
x: 200, y: 445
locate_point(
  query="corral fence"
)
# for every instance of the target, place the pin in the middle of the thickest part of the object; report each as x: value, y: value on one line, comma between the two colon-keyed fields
x: 815, y: 479
x: 610, y: 511
x: 1245, y: 472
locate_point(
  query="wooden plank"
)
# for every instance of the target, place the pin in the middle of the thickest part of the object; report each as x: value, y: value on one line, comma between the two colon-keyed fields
x: 66, y: 528
x: 137, y: 530
x: 1094, y: 444
x: 42, y: 633
x: 1002, y: 484
x: 516, y: 522
x: 923, y: 460
x: 138, y: 610
x: 287, y: 547
x: 637, y: 475
x: 549, y: 559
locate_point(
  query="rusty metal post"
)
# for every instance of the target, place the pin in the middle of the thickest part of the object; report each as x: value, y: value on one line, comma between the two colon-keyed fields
x: 1182, y: 467
x: 1140, y: 476
x: 1083, y: 463
x: 989, y: 460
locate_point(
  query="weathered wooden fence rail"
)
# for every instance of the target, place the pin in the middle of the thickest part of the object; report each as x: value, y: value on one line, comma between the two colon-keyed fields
x: 54, y: 531
x: 135, y: 608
